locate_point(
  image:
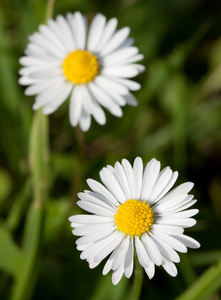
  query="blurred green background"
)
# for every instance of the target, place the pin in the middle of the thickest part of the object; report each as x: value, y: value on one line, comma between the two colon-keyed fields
x: 177, y: 121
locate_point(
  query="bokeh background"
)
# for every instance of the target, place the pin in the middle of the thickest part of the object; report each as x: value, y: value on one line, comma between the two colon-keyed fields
x: 177, y: 121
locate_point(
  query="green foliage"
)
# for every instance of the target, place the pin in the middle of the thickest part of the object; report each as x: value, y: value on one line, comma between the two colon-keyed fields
x: 178, y: 121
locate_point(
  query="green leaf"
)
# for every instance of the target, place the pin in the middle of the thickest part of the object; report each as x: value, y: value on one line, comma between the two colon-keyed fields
x: 5, y: 185
x: 28, y: 271
x: 11, y: 256
x: 20, y: 204
x: 205, y: 286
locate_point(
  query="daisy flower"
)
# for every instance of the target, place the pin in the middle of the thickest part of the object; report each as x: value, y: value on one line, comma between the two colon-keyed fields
x: 93, y: 66
x: 135, y: 211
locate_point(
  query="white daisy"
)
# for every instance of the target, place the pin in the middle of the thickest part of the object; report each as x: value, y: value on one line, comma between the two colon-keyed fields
x: 134, y: 209
x: 92, y: 65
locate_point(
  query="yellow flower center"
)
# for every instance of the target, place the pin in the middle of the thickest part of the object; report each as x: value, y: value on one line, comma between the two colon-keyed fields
x: 80, y: 66
x: 134, y: 217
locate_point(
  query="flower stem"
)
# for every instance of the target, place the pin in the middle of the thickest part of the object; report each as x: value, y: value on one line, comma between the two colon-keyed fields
x: 50, y: 9
x: 79, y: 165
x: 138, y: 280
x: 39, y: 171
x: 39, y: 157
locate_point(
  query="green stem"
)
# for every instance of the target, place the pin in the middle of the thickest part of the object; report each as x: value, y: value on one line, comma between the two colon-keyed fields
x: 50, y: 9
x: 79, y: 166
x: 138, y: 281
x: 205, y: 286
x: 39, y: 157
x: 39, y: 160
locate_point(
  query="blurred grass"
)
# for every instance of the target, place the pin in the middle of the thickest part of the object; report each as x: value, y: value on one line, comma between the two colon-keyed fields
x: 178, y: 121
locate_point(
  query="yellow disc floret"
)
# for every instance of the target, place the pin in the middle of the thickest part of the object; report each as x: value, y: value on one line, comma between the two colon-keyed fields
x: 80, y: 66
x: 134, y: 217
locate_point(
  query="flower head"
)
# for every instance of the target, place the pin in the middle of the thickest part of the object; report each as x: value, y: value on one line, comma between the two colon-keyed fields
x: 135, y: 209
x: 92, y: 66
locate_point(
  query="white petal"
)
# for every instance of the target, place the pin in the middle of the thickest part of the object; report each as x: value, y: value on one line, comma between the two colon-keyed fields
x: 188, y: 241
x: 167, y: 187
x: 75, y: 106
x: 122, y: 179
x: 49, y: 94
x: 127, y: 43
x: 162, y: 181
x: 142, y: 255
x: 130, y: 178
x: 163, y: 206
x: 102, y: 198
x: 45, y: 73
x: 79, y: 29
x: 26, y: 81
x: 125, y: 71
x: 110, y: 84
x: 169, y: 267
x: 117, y: 39
x: 130, y: 84
x: 100, y: 95
x: 181, y: 189
x: 115, y: 110
x: 171, y: 241
x: 107, y: 34
x: 89, y: 219
x: 49, y: 34
x: 135, y: 58
x: 35, y: 49
x: 119, y: 259
x: 85, y: 120
x: 42, y: 42
x: 129, y: 260
x: 109, y: 262
x: 58, y: 99
x: 41, y: 86
x: 31, y: 61
x: 91, y: 238
x: 93, y: 265
x: 81, y: 247
x: 150, y: 176
x: 95, y: 108
x: 116, y: 98
x: 152, y: 249
x: 110, y: 168
x: 117, y: 275
x: 91, y: 229
x: 91, y: 197
x: 94, y: 248
x: 91, y: 106
x: 150, y: 270
x: 182, y: 206
x: 119, y: 56
x: 184, y: 222
x: 138, y: 174
x: 99, y: 188
x: 67, y: 36
x: 165, y: 249
x: 167, y: 229
x: 96, y: 31
x: 95, y: 209
x: 112, y: 184
x: 130, y: 99
x: 109, y: 248
x: 184, y: 214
